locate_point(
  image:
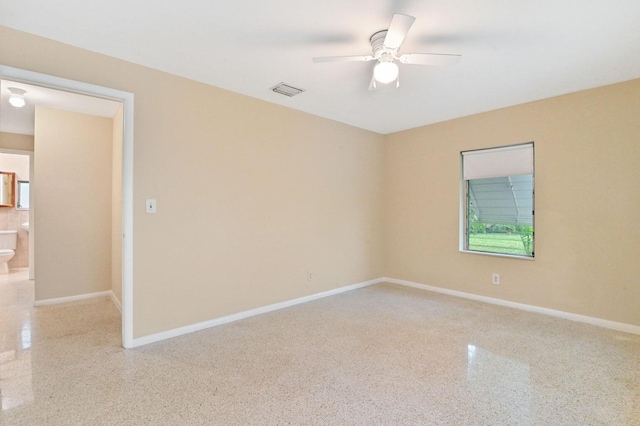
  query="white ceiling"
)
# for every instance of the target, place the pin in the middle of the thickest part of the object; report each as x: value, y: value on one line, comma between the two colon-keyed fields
x: 513, y: 51
x: 21, y: 120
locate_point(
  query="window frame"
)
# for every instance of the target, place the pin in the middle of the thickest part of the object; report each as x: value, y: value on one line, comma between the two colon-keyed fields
x: 22, y: 195
x: 464, y: 187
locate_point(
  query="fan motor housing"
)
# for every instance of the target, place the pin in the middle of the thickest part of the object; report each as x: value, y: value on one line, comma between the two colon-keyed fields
x: 377, y: 42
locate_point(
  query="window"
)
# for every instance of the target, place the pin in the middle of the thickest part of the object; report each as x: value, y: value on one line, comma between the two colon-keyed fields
x: 497, y: 200
x: 23, y: 195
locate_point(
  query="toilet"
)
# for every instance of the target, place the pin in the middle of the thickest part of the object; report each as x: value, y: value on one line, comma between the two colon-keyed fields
x: 8, y: 240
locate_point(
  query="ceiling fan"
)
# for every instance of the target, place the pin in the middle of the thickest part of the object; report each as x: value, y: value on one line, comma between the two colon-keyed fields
x: 385, y: 45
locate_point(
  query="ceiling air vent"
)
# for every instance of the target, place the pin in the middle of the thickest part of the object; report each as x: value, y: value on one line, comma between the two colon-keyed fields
x: 287, y: 90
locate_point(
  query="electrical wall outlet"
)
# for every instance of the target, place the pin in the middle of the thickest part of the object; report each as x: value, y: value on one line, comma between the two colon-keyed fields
x: 309, y: 276
x: 495, y: 279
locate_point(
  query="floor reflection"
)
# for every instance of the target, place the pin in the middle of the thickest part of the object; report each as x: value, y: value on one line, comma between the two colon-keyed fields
x: 16, y: 384
x: 15, y: 376
x: 496, y: 383
x: 26, y: 333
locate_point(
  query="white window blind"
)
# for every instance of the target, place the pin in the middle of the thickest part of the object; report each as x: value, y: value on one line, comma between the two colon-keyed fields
x: 497, y: 162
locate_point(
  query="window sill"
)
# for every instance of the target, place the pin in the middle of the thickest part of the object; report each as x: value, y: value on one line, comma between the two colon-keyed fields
x: 511, y: 256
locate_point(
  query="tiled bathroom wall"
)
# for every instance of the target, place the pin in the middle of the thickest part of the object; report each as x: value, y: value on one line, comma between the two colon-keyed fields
x: 11, y: 219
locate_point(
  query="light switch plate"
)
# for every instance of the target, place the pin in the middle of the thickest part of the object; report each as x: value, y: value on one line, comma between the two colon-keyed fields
x: 151, y: 206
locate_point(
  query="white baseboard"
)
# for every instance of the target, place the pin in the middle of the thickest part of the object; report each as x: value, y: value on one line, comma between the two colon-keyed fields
x: 145, y: 340
x: 68, y: 299
x: 619, y: 326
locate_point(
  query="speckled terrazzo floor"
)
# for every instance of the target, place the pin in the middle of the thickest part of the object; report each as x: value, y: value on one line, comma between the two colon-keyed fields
x: 379, y: 355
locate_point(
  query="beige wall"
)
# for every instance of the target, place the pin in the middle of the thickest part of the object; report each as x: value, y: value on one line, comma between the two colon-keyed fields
x: 251, y: 196
x: 16, y: 163
x: 16, y: 141
x: 587, y: 153
x: 72, y: 193
x: 116, y: 207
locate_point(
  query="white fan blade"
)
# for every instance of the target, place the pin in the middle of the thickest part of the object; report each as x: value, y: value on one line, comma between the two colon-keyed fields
x: 344, y: 59
x: 398, y: 29
x: 373, y: 85
x: 430, y: 59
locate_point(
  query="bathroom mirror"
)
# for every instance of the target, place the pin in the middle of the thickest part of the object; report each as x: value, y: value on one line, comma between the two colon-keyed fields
x: 23, y: 195
x: 7, y: 193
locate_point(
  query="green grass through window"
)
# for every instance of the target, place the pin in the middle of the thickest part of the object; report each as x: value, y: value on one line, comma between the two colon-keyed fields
x: 504, y: 243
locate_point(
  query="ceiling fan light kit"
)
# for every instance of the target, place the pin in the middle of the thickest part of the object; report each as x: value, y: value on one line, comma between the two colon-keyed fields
x: 385, y: 45
x: 385, y: 72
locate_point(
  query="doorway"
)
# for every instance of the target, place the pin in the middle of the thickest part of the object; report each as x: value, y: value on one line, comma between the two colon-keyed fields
x: 126, y: 213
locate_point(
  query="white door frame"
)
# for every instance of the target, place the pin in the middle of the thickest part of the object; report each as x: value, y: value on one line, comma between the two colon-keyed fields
x: 30, y: 77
